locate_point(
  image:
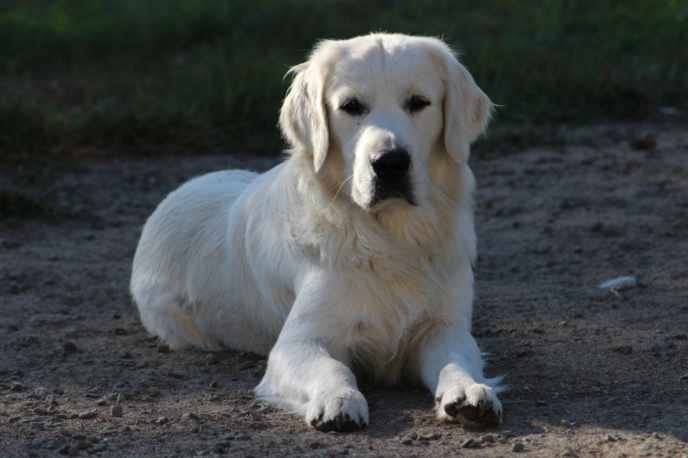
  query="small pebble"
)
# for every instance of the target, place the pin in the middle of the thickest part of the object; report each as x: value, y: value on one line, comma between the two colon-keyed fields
x: 88, y: 414
x: 488, y: 439
x: 470, y: 443
x: 69, y: 347
x: 116, y: 411
x: 16, y: 386
x: 220, y: 448
x: 161, y: 420
x: 99, y: 447
x: 518, y: 447
x: 226, y: 439
x: 163, y: 348
x: 190, y: 416
x: 212, y: 359
x: 607, y: 229
x: 409, y: 438
x: 428, y: 436
x: 623, y: 349
x: 647, y: 141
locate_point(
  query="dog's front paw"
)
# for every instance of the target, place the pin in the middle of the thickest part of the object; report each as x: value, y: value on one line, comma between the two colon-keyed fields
x: 475, y: 405
x: 345, y: 411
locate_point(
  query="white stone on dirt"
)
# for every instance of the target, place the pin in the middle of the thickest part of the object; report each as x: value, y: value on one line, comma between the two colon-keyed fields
x: 619, y: 283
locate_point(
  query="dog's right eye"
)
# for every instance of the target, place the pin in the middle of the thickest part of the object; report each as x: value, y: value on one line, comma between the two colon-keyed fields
x: 416, y: 103
x: 353, y: 107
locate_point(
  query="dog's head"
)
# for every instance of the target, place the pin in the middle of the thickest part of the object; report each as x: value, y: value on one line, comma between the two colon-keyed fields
x: 372, y: 110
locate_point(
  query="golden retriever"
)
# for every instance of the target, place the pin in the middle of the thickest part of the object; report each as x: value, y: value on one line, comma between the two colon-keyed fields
x: 354, y: 254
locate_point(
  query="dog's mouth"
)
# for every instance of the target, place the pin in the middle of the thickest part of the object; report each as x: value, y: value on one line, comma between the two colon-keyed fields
x: 387, y: 192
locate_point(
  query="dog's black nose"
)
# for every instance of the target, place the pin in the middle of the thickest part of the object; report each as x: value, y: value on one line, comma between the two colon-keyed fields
x: 392, y: 177
x: 392, y: 163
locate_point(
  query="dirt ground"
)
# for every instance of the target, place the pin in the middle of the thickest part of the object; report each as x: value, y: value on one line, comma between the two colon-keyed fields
x: 592, y: 372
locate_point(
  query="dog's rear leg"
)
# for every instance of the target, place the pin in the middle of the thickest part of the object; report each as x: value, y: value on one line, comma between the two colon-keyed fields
x: 163, y: 314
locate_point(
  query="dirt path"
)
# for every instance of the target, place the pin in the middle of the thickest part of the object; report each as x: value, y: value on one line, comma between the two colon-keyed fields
x: 591, y: 373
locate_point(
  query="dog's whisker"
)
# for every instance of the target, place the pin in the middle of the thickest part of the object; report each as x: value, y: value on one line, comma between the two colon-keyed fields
x: 339, y: 189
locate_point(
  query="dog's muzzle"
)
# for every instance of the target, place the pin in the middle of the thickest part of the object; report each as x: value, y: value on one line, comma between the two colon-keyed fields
x: 392, y: 176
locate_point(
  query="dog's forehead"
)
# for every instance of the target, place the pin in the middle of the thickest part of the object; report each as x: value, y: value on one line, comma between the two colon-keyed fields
x: 405, y: 65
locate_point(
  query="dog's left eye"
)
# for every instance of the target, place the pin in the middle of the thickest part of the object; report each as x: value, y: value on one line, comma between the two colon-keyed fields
x: 416, y: 103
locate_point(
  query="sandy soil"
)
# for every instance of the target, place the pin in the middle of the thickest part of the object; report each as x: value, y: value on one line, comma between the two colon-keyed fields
x: 592, y: 373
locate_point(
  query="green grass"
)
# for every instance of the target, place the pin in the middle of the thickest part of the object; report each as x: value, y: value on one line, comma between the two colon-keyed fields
x: 148, y: 76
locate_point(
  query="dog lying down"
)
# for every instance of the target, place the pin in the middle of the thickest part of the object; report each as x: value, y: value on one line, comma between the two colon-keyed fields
x: 353, y: 255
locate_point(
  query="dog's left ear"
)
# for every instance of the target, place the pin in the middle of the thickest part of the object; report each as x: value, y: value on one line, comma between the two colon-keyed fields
x: 467, y: 108
x: 303, y: 116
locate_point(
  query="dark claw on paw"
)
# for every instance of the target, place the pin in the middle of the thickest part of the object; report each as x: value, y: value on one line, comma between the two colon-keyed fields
x: 470, y: 412
x: 453, y: 409
x: 341, y: 423
x: 483, y: 414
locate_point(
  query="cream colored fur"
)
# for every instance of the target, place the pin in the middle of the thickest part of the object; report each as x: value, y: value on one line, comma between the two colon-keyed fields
x: 299, y: 264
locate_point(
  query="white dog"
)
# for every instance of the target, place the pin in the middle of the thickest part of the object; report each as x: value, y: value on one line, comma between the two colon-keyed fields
x: 353, y: 254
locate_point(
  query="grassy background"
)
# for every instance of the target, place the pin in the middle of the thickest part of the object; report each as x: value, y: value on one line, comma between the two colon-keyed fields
x: 146, y: 76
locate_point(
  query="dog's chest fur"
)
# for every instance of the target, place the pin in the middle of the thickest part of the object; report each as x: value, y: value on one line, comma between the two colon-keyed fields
x: 390, y: 312
x: 391, y: 293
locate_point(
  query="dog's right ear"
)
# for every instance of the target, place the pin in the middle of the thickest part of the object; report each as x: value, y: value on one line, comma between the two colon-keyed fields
x: 303, y: 117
